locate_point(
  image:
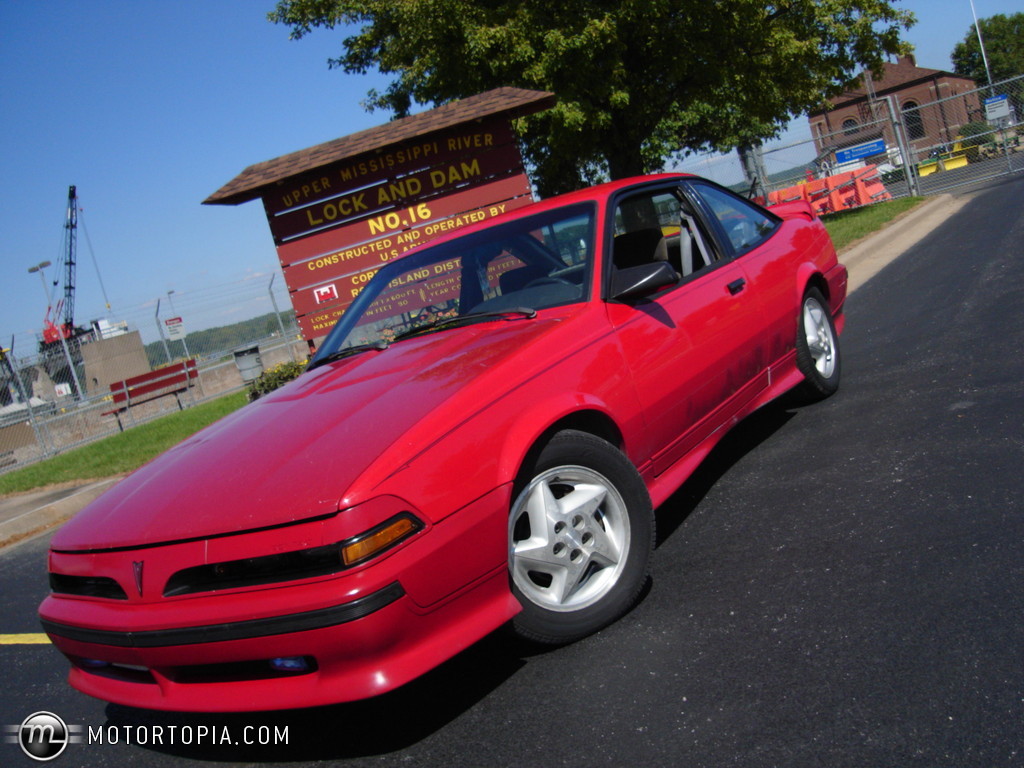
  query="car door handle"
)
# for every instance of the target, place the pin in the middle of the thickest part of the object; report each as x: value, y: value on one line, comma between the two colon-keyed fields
x: 736, y: 286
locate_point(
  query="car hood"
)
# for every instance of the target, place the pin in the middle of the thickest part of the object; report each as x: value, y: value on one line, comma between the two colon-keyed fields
x: 294, y: 454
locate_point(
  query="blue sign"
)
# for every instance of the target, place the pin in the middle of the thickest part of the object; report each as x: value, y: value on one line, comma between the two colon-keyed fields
x: 861, y: 150
x: 997, y: 107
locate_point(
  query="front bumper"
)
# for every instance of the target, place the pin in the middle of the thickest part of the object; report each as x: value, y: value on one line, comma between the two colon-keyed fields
x: 361, y: 633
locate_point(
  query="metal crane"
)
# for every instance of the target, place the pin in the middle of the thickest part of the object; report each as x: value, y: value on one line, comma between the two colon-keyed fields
x: 63, y: 322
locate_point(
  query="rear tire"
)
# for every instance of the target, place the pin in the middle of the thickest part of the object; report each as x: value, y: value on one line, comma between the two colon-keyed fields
x: 581, y: 532
x: 817, y: 347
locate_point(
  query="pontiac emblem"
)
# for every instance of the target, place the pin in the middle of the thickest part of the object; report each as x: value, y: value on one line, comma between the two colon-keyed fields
x: 137, y: 568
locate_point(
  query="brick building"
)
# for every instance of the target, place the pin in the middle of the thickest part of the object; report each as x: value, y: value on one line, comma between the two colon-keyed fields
x: 933, y: 104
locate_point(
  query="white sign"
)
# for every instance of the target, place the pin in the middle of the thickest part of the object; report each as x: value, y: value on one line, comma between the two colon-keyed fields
x: 997, y: 107
x: 175, y: 328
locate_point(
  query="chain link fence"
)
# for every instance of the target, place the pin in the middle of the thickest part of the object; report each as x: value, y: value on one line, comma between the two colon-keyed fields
x: 947, y: 153
x: 57, y: 394
x: 914, y: 148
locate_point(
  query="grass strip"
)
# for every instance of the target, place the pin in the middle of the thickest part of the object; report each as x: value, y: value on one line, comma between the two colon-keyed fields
x: 122, y: 452
x: 847, y: 227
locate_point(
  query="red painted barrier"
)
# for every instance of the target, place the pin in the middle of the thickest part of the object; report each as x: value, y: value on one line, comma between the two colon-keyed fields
x: 850, y: 189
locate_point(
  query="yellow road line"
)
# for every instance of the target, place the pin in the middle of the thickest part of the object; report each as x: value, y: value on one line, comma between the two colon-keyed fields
x: 27, y: 638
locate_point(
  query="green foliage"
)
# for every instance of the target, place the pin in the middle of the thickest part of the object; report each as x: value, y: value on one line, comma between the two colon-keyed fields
x: 1004, y: 47
x: 638, y: 82
x: 895, y: 176
x: 972, y: 136
x: 122, y: 452
x: 275, y: 377
x: 222, y: 338
x: 974, y: 132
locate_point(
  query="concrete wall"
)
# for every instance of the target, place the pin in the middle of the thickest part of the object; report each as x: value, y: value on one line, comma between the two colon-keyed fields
x: 115, y: 359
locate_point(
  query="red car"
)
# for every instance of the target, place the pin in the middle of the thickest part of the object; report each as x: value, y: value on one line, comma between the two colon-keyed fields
x: 480, y: 441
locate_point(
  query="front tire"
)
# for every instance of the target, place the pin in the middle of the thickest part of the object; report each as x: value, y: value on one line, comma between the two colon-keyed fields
x: 581, y: 531
x: 817, y: 347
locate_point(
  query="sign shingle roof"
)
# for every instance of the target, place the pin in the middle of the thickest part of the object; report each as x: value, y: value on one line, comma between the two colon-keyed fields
x: 509, y: 102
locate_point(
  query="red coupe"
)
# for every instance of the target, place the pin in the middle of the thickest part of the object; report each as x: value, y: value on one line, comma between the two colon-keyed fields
x: 480, y: 441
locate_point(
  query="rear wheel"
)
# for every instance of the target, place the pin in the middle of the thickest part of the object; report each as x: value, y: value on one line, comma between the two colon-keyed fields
x: 817, y: 346
x: 581, y: 531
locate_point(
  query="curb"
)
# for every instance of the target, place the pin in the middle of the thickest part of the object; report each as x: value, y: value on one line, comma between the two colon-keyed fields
x: 868, y: 256
x: 50, y: 515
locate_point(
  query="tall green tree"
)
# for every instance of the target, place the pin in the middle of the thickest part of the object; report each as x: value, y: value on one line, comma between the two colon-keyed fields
x: 638, y: 81
x: 1004, y: 46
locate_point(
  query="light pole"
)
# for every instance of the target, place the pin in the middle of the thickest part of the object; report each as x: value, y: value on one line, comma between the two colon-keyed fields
x: 981, y: 44
x: 60, y: 329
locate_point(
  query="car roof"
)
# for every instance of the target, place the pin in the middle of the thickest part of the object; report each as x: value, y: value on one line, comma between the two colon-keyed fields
x: 601, y: 191
x: 596, y: 193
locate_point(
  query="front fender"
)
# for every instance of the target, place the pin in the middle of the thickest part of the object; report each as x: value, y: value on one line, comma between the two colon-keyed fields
x: 487, y: 449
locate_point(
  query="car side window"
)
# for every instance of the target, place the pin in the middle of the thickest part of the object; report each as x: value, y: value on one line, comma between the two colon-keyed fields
x: 743, y: 224
x: 659, y: 226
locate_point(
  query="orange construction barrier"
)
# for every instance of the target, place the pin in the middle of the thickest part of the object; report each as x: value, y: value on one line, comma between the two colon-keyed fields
x: 839, y: 192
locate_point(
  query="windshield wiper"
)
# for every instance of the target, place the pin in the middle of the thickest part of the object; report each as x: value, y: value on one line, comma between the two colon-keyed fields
x: 459, y: 319
x: 346, y: 352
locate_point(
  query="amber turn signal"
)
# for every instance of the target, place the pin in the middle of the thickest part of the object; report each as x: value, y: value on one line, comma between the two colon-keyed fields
x: 377, y: 540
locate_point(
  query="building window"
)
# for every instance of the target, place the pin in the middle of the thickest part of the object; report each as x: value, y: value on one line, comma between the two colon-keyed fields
x: 912, y: 119
x: 849, y: 126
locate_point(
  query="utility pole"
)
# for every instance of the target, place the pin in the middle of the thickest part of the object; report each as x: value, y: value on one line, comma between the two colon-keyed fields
x: 753, y: 169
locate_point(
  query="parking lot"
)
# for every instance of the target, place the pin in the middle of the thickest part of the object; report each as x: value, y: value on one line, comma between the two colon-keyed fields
x: 838, y: 585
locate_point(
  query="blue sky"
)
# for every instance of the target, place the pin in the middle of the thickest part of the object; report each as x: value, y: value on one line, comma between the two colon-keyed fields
x: 148, y: 107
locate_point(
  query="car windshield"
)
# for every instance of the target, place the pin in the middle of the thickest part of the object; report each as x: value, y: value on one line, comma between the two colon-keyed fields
x: 517, y: 267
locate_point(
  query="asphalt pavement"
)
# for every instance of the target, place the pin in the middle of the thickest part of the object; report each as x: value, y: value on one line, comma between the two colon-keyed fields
x: 27, y: 514
x: 837, y: 585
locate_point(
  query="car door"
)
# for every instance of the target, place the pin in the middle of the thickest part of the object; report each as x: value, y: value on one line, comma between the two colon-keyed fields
x: 691, y: 349
x: 766, y: 249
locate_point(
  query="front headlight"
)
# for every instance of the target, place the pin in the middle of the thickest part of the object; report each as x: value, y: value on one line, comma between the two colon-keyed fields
x: 299, y: 564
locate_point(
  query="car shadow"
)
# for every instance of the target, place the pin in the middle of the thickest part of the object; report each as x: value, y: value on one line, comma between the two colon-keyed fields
x: 741, y: 440
x: 372, y: 727
x: 401, y: 718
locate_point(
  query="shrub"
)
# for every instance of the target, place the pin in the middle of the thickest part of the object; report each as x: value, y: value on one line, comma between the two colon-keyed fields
x: 275, y: 377
x: 972, y: 136
x: 894, y: 176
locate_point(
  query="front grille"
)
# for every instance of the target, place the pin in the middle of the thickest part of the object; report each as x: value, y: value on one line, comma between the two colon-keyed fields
x: 252, y: 571
x: 86, y: 586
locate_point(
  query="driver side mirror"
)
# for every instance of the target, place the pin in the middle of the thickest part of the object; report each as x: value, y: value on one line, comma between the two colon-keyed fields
x: 645, y: 280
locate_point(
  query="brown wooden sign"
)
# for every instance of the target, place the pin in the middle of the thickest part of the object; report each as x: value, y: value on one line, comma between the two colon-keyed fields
x: 336, y: 226
x: 341, y: 209
x: 323, y: 287
x: 372, y: 242
x: 376, y: 201
x: 397, y: 160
